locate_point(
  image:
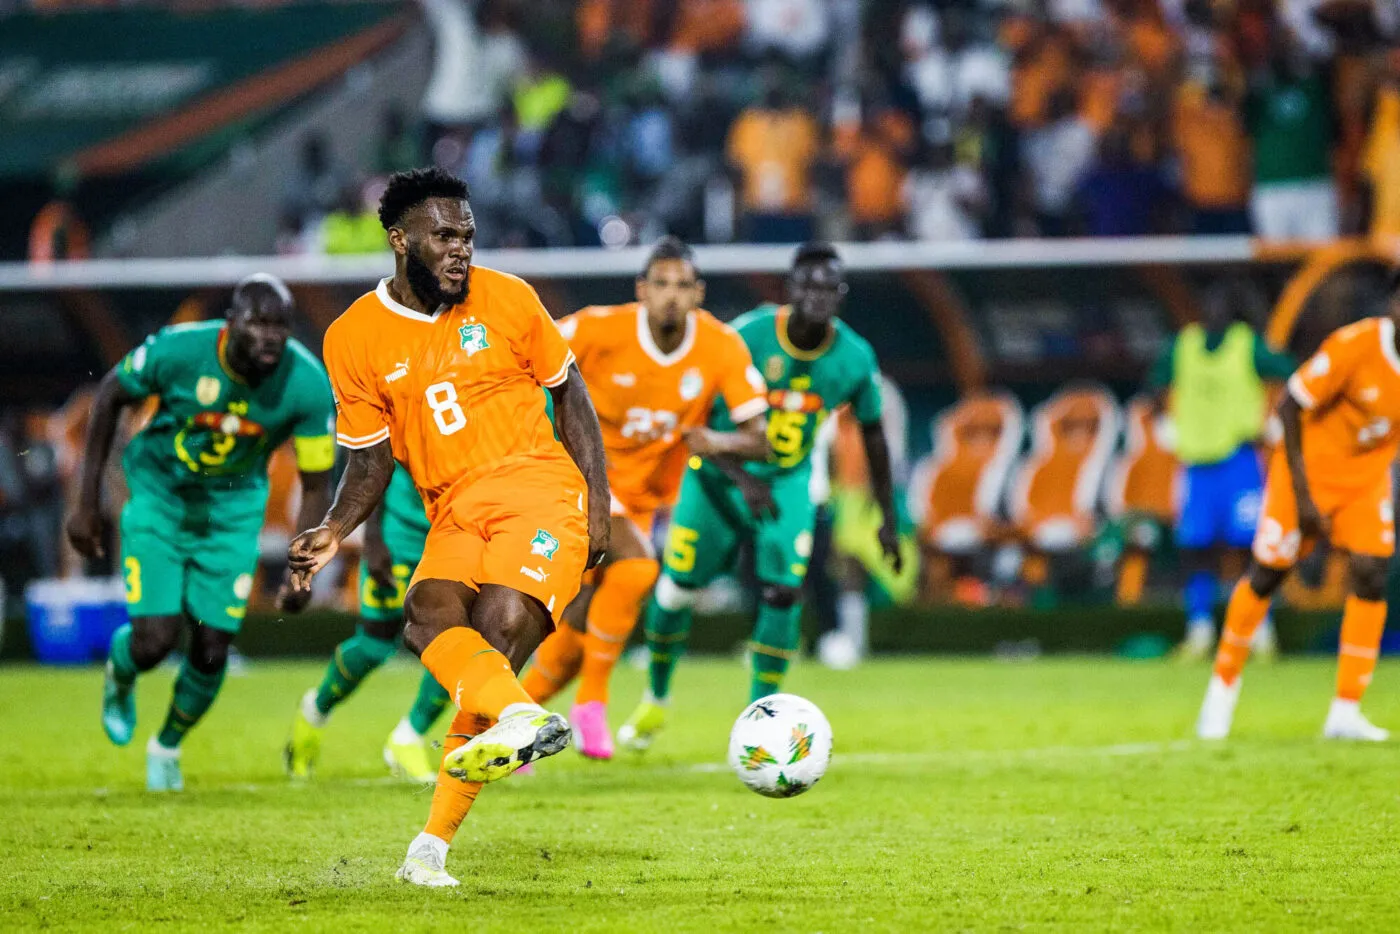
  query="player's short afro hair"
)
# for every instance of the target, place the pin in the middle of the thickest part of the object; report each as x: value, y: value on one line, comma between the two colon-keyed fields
x: 815, y: 251
x: 669, y: 247
x: 407, y: 190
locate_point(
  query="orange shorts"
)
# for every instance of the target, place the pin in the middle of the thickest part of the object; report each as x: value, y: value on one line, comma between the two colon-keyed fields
x: 526, y: 529
x: 1363, y: 520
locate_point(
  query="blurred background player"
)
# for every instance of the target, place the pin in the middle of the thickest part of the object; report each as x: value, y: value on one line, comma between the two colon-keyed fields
x: 517, y: 513
x: 812, y: 364
x: 1211, y: 379
x: 394, y: 536
x: 656, y: 367
x: 1331, y: 479
x: 230, y: 392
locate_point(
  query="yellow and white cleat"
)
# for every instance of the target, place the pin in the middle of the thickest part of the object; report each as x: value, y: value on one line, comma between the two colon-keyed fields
x: 530, y: 734
x: 407, y: 757
x: 304, y: 745
x: 642, y: 726
x: 425, y: 864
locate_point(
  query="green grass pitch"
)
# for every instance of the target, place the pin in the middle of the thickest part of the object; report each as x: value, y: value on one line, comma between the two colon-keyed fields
x: 965, y: 795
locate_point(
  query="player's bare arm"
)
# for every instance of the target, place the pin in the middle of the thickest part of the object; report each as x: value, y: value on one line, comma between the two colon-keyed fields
x: 87, y: 525
x: 877, y: 453
x: 583, y: 439
x: 367, y: 473
x: 315, y: 501
x: 747, y: 442
x: 1311, y: 522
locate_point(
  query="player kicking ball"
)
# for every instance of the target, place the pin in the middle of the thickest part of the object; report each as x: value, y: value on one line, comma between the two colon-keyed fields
x: 813, y: 364
x: 230, y: 392
x: 440, y: 369
x: 656, y: 369
x: 1332, y: 479
x: 394, y: 536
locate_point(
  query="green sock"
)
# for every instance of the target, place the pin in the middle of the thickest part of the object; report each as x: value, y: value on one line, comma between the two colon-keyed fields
x: 123, y: 668
x: 667, y: 632
x: 353, y: 660
x: 774, y: 643
x: 432, y: 699
x: 194, y: 695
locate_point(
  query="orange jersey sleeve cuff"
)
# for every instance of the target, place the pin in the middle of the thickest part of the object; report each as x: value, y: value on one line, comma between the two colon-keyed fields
x: 363, y: 441
x: 558, y: 378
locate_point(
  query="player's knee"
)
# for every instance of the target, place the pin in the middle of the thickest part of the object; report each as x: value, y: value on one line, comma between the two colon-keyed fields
x: 209, y: 650
x: 1368, y: 574
x: 779, y: 596
x: 511, y: 622
x: 152, y: 639
x: 671, y: 596
x: 1265, y: 580
x: 430, y: 609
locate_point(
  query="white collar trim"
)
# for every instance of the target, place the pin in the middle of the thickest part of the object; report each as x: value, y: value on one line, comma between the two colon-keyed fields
x: 649, y: 346
x: 403, y: 311
x: 1387, y: 330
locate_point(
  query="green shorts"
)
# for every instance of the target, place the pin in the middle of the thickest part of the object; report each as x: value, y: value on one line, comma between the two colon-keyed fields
x: 192, y: 554
x: 405, y: 542
x: 711, y: 520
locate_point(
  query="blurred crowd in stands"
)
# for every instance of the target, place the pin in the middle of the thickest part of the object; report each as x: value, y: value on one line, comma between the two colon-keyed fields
x: 612, y: 121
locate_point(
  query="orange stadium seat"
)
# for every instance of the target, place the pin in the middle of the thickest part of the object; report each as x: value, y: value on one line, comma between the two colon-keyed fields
x: 1144, y: 484
x: 1055, y: 496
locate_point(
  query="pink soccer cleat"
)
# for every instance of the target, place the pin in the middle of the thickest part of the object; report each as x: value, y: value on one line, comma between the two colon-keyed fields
x: 591, y: 731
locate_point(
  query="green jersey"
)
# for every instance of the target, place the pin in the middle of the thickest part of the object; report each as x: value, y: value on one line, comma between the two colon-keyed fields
x: 804, y: 387
x: 403, y: 507
x: 212, y: 432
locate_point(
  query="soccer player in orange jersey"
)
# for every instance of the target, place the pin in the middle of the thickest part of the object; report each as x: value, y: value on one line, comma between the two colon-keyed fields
x: 440, y: 368
x: 1331, y: 478
x: 656, y: 367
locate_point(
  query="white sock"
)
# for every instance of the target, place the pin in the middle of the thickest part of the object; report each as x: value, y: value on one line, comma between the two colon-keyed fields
x: 1202, y: 628
x: 311, y: 712
x: 154, y: 748
x: 1341, y: 706
x: 852, y: 617
x: 512, y: 710
x: 404, y: 734
x: 435, y: 845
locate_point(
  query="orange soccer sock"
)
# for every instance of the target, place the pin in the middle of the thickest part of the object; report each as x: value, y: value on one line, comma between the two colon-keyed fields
x: 1246, y: 611
x: 556, y: 662
x: 611, y: 618
x: 478, y: 678
x: 1363, y: 621
x: 452, y: 799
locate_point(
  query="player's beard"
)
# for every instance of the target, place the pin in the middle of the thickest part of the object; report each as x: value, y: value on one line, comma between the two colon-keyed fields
x: 424, y: 283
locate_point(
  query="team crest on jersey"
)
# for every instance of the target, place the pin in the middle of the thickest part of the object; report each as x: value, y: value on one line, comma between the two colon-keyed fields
x: 207, y: 390
x: 775, y: 367
x: 544, y: 545
x: 473, y: 338
x: 691, y: 384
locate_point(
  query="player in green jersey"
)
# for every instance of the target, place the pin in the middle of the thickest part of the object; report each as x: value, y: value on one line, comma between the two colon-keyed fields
x: 230, y: 392
x: 813, y: 364
x: 394, y: 536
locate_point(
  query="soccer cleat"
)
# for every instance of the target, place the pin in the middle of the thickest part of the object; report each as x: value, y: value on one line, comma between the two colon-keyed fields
x: 591, y: 731
x: 1198, y: 645
x: 424, y: 866
x: 641, y: 728
x: 409, y: 761
x: 1346, y: 721
x: 163, y: 768
x: 1218, y: 709
x: 505, y: 747
x: 118, y: 709
x: 304, y: 745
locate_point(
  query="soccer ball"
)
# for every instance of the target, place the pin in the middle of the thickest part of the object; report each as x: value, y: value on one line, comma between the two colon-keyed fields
x: 780, y: 745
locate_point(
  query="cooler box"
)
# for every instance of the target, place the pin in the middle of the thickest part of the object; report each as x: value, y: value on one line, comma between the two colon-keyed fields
x: 71, y: 621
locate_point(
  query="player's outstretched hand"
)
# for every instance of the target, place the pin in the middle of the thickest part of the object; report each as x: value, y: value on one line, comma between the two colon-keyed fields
x: 308, y: 553
x: 291, y: 600
x: 889, y: 544
x: 86, y: 533
x: 758, y: 497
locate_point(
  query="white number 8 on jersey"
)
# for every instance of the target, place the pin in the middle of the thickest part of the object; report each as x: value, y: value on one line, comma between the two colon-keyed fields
x: 442, y: 399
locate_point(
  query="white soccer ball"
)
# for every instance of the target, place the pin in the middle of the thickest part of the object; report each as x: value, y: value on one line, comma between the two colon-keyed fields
x: 780, y: 745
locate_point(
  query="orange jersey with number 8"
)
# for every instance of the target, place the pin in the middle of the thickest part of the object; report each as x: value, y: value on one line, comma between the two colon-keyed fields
x: 1350, y: 393
x: 457, y: 393
x: 646, y: 399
